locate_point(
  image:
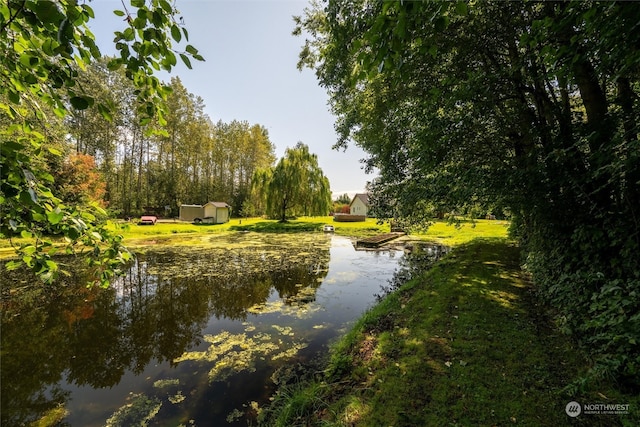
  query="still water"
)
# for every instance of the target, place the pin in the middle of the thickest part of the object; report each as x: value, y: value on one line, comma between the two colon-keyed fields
x: 195, y: 334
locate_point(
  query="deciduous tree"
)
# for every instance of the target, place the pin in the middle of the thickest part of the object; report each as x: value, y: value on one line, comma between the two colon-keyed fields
x: 529, y: 106
x: 296, y: 185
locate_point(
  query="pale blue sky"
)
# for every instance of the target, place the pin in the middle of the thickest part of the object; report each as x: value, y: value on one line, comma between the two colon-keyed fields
x: 250, y: 74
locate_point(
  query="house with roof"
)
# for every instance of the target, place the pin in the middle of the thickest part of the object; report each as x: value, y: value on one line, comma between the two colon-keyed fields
x: 210, y: 212
x: 359, y: 205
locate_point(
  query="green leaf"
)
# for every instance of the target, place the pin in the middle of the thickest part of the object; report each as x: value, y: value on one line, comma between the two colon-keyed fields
x: 192, y: 50
x: 128, y: 33
x: 166, y: 6
x: 46, y: 11
x: 169, y: 60
x: 28, y: 60
x: 28, y: 250
x: 105, y: 112
x: 4, y: 11
x: 118, y: 13
x: 14, y: 97
x: 54, y: 151
x: 45, y: 176
x: 13, y: 265
x: 441, y: 23
x: 175, y: 33
x: 142, y: 16
x: 98, y: 208
x: 88, y: 216
x: 55, y: 217
x: 89, y: 11
x: 186, y: 60
x: 461, y: 8
x: 80, y: 102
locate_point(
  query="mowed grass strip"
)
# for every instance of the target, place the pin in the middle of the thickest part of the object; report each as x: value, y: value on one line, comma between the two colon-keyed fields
x: 465, y: 344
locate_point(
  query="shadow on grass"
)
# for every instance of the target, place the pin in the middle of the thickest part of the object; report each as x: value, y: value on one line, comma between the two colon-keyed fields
x: 466, y: 343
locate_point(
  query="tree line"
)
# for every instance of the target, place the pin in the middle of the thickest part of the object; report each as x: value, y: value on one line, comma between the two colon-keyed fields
x: 192, y: 161
x: 528, y: 108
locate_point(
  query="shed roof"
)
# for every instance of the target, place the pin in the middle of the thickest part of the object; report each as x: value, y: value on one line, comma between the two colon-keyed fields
x: 364, y: 197
x: 218, y: 204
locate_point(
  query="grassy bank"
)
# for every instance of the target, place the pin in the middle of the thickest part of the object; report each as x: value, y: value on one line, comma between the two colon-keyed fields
x: 465, y: 344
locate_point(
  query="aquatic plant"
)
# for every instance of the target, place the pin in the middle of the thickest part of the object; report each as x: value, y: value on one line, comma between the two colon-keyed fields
x: 166, y: 383
x: 138, y: 412
x: 289, y: 307
x: 234, y: 353
x: 177, y: 398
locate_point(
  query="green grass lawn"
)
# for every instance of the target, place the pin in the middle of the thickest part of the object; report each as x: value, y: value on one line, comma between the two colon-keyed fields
x: 304, y: 224
x: 440, y: 232
x: 464, y: 344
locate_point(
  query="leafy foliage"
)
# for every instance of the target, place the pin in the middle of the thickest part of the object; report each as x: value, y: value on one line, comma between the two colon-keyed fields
x: 79, y: 182
x: 531, y: 109
x: 45, y: 44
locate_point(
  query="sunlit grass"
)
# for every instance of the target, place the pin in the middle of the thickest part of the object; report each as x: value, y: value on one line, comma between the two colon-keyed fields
x: 449, y: 234
x: 440, y: 232
x: 466, y: 343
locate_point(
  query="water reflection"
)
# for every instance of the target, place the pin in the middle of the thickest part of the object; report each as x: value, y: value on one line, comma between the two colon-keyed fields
x: 421, y: 257
x: 189, y: 335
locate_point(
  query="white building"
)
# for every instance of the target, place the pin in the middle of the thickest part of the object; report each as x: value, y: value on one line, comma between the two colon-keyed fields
x: 359, y: 205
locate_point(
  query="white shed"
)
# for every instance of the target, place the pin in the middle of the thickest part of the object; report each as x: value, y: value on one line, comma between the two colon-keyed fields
x: 216, y: 212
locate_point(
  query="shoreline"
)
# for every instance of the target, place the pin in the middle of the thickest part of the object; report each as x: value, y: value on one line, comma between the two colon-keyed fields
x: 466, y: 342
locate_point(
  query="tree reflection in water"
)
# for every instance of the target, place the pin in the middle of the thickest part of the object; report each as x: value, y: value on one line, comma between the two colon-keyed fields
x: 66, y: 334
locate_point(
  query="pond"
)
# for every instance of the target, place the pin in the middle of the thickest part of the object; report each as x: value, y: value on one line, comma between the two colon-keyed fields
x: 199, y: 333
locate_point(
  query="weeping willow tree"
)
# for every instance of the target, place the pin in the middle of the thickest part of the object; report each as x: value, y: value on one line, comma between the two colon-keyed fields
x: 295, y: 186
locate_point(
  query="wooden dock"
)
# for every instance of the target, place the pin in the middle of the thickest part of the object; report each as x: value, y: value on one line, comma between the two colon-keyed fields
x: 377, y: 241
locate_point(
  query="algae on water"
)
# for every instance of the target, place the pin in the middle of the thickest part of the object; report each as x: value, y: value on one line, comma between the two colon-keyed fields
x: 234, y: 353
x: 166, y: 383
x: 138, y: 412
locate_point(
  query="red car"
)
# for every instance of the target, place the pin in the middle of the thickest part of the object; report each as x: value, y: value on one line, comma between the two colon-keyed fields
x: 148, y: 219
